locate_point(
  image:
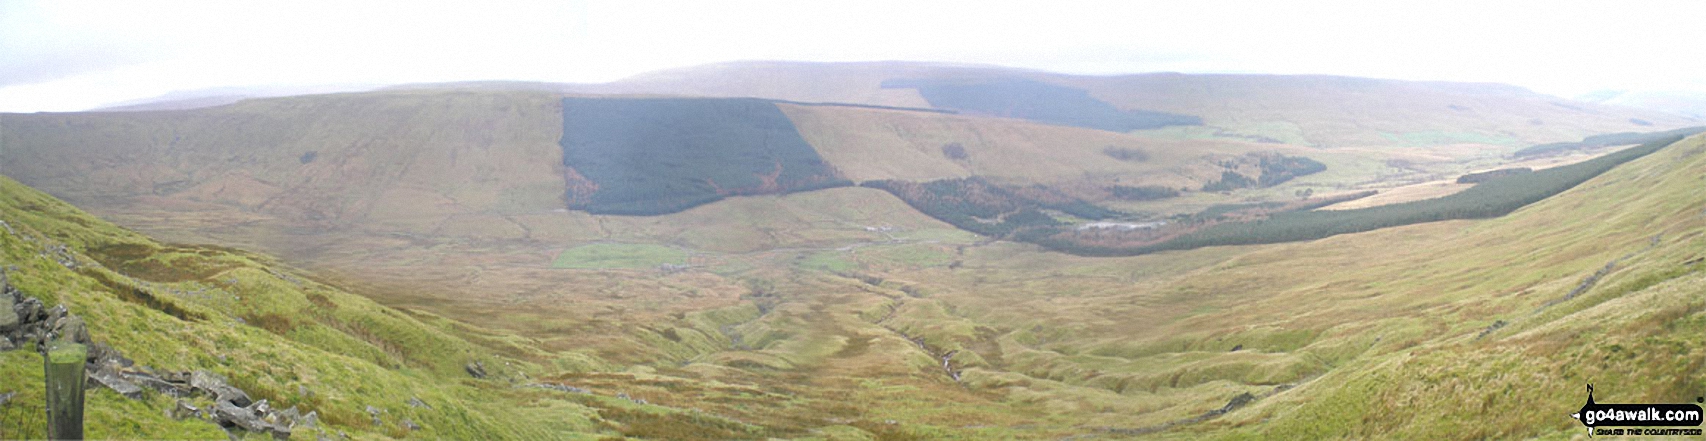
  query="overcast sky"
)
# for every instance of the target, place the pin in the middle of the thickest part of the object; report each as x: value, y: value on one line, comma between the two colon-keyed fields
x: 72, y: 55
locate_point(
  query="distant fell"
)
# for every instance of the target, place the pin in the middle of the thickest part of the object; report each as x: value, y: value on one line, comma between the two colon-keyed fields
x: 1319, y: 110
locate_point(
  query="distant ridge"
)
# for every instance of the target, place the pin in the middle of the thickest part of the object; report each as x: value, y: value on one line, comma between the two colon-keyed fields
x: 1313, y: 110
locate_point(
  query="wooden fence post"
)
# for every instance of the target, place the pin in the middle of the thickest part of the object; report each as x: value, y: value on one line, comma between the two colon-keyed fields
x: 65, y: 389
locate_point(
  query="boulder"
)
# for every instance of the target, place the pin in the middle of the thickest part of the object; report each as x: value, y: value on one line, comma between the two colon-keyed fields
x: 55, y: 314
x: 230, y: 416
x: 311, y: 420
x: 259, y: 408
x: 145, y: 379
x: 27, y: 320
x: 214, y: 386
x: 102, y: 355
x: 288, y: 417
x: 70, y: 327
x: 111, y: 379
x: 25, y: 312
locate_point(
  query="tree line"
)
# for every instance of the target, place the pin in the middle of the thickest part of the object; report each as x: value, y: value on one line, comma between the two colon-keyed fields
x: 1492, y: 198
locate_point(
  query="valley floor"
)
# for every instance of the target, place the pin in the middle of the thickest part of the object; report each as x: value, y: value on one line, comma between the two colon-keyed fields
x: 842, y: 314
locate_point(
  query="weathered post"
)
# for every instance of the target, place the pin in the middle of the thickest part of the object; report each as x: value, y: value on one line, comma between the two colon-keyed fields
x: 65, y: 360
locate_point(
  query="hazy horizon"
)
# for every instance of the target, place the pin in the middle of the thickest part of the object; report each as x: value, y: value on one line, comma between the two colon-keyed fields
x: 66, y: 56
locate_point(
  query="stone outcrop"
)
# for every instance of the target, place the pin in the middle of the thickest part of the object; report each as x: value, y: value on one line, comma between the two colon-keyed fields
x: 26, y: 323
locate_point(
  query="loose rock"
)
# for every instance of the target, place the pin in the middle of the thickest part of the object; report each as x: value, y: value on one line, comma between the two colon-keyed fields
x: 70, y: 327
x: 375, y: 412
x: 214, y: 386
x: 112, y: 380
x: 231, y: 416
x: 560, y: 387
x: 476, y: 369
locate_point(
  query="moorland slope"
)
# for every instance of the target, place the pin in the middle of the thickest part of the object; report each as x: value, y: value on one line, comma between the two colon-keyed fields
x: 1299, y: 109
x: 844, y: 312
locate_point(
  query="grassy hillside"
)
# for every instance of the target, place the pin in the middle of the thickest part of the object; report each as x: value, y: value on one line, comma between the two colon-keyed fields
x: 1561, y: 326
x: 1458, y: 330
x: 483, y: 164
x: 870, y: 144
x: 843, y: 313
x: 1494, y: 197
x: 326, y: 161
x: 276, y: 333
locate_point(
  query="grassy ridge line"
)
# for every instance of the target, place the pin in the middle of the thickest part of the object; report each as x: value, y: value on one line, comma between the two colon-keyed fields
x: 291, y: 341
x: 1607, y: 140
x: 868, y: 106
x: 398, y: 159
x: 1491, y: 199
x: 1300, y: 109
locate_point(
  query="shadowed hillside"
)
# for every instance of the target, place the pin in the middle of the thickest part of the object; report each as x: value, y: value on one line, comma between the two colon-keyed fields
x: 1037, y: 101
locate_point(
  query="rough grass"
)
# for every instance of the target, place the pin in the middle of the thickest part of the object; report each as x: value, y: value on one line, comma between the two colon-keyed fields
x: 883, y: 144
x: 625, y: 256
x: 1338, y: 337
x: 310, y: 345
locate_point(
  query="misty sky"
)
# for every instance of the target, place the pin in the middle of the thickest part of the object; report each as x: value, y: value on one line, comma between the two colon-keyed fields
x: 73, y: 55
